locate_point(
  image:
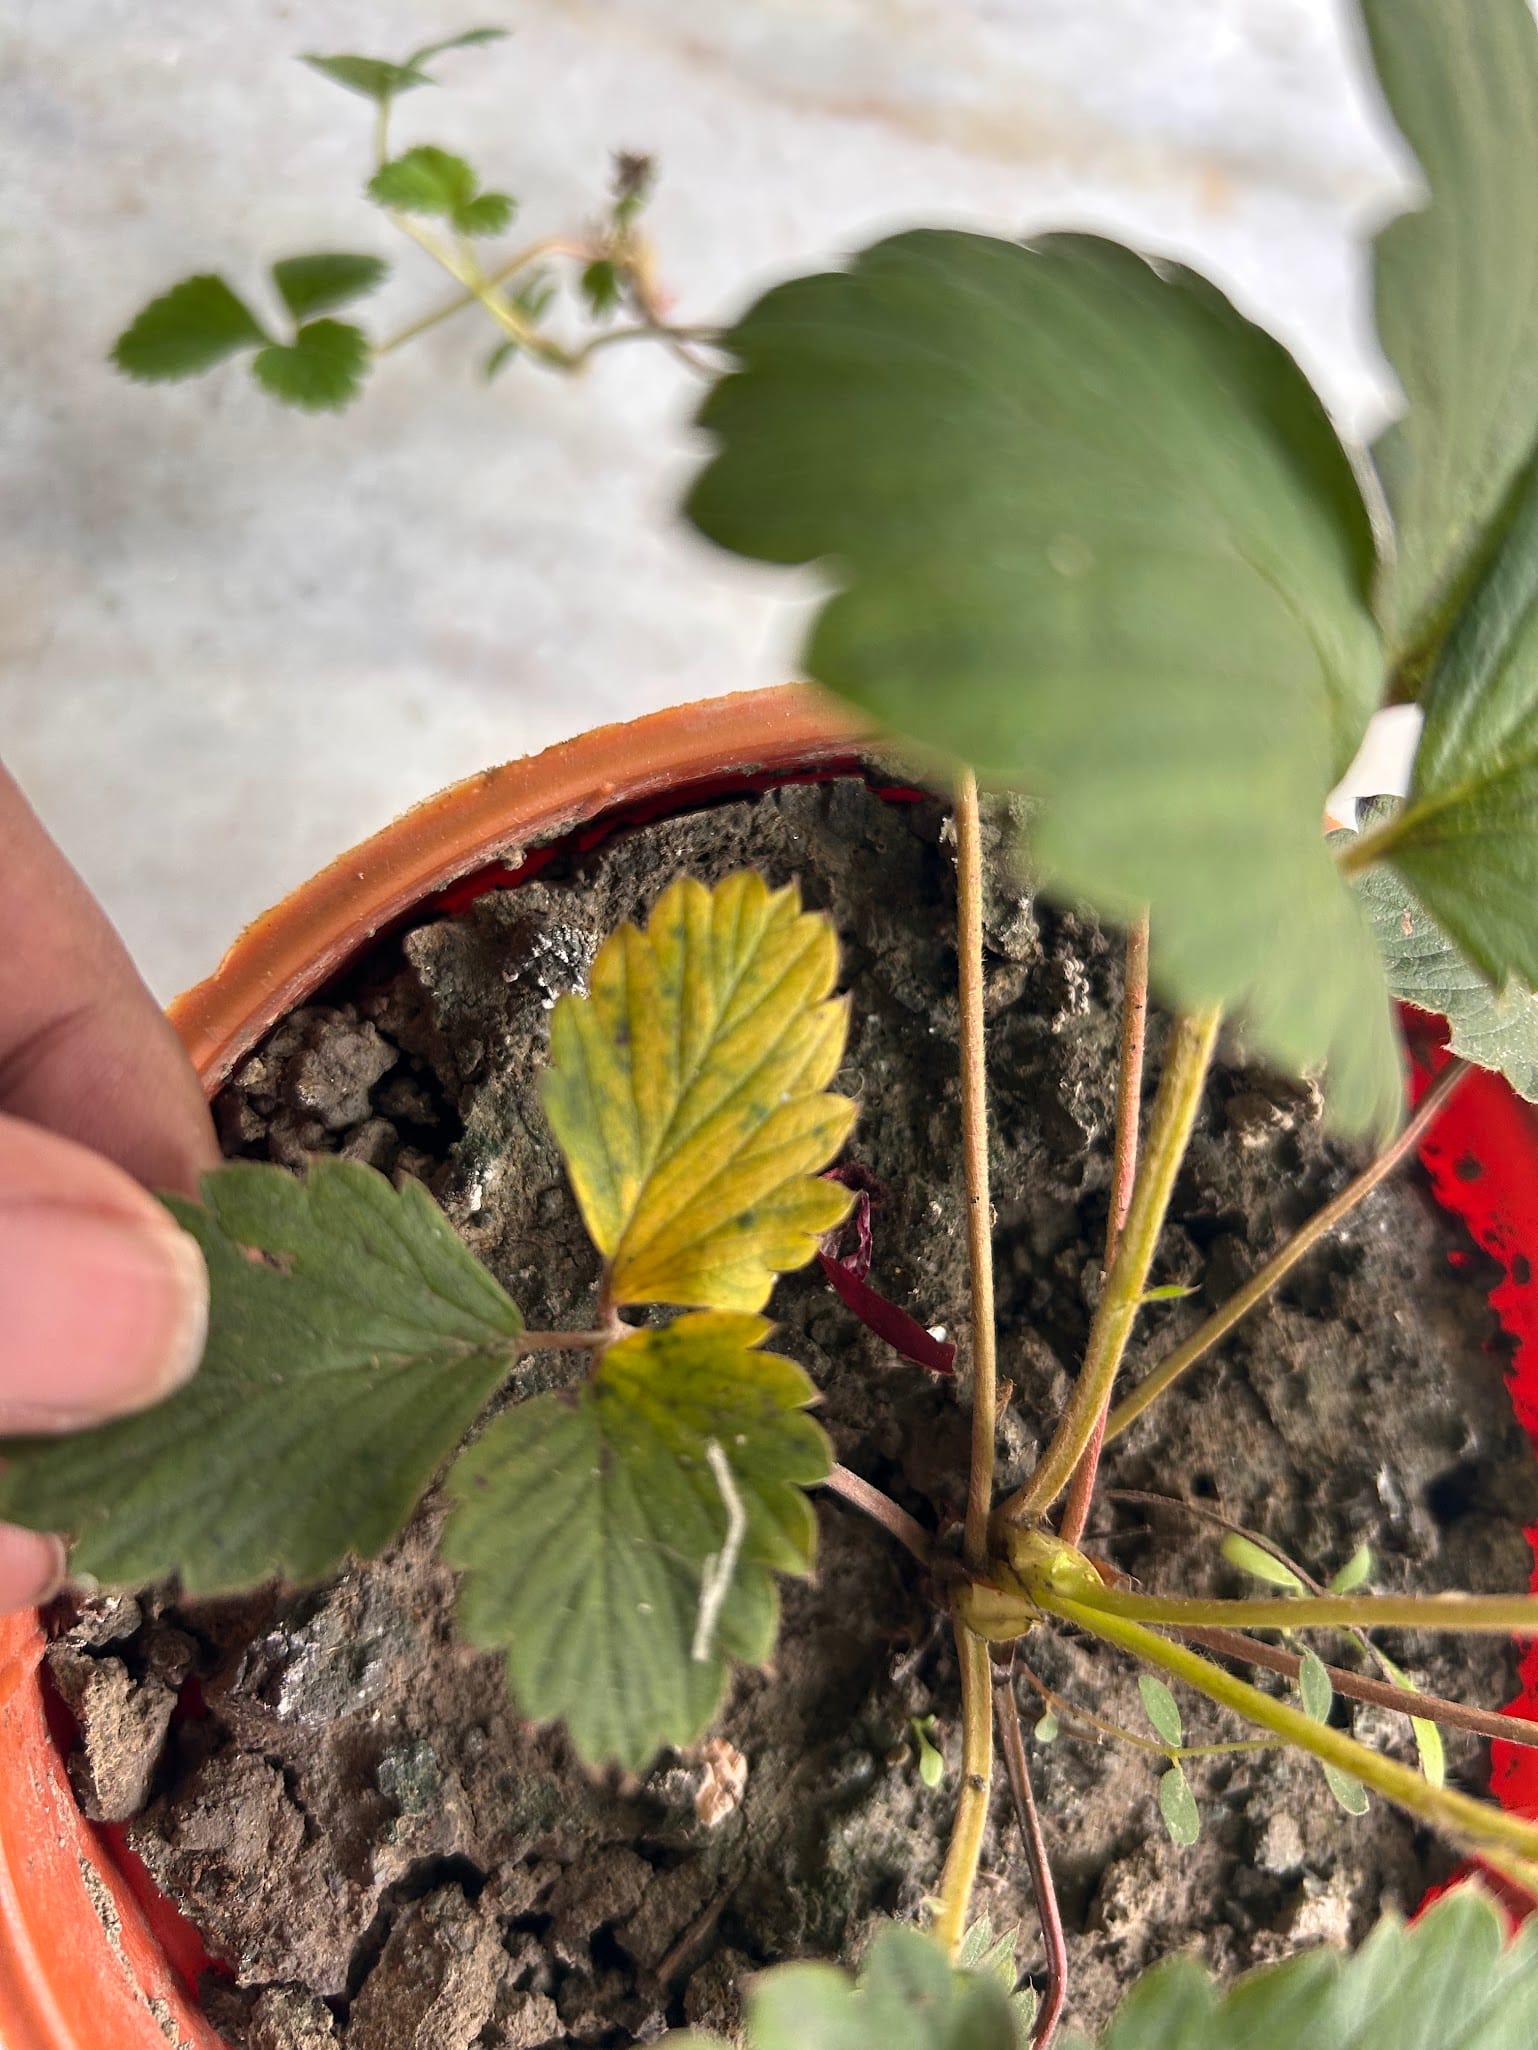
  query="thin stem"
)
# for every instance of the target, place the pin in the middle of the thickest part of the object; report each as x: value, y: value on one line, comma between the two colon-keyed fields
x: 1507, y: 1613
x: 966, y: 1846
x: 566, y: 1341
x: 1457, y: 1815
x: 974, y: 1144
x: 532, y: 252
x: 1431, y: 1708
x: 1129, y: 1106
x: 1169, y: 1129
x: 883, y: 1510
x: 1260, y: 1284
x: 1072, y: 1712
x: 1007, y: 1712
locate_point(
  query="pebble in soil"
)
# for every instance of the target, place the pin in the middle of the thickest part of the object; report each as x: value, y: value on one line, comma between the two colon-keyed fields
x: 385, y: 1858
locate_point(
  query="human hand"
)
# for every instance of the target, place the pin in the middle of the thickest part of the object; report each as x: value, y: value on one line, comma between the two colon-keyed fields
x: 103, y: 1298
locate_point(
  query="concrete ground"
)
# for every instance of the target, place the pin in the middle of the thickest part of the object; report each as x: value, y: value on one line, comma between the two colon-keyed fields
x: 236, y: 639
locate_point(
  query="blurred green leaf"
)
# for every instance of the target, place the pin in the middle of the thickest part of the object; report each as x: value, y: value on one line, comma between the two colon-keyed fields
x: 373, y: 78
x: 321, y: 370
x: 190, y: 328
x: 1092, y: 532
x: 1316, y: 1687
x: 315, y: 284
x: 1258, y: 1563
x: 1177, y: 1804
x: 429, y: 180
x: 1356, y: 1572
x: 1160, y: 1708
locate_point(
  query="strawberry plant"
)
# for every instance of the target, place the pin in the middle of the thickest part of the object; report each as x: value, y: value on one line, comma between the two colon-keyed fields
x: 1093, y: 539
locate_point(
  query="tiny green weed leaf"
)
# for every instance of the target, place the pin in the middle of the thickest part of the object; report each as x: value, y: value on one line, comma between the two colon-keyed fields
x: 688, y: 1093
x: 1356, y: 1572
x: 620, y: 1542
x: 471, y: 39
x: 931, y: 1764
x: 1258, y: 1563
x: 1457, y: 290
x: 1466, y: 842
x: 341, y: 1371
x: 428, y: 180
x: 907, y: 1997
x: 1492, y: 1028
x: 1428, y: 1738
x: 188, y: 329
x: 1160, y: 1708
x: 1168, y: 1292
x: 1348, y: 1791
x: 1177, y: 1804
x: 1091, y: 532
x: 1316, y: 1687
x: 315, y: 284
x: 374, y: 78
x: 600, y: 287
x: 1048, y: 1728
x: 1451, y: 1981
x: 321, y: 370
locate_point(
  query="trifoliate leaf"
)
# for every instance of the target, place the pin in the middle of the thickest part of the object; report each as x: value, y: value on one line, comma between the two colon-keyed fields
x: 1451, y: 1981
x: 427, y: 180
x: 473, y: 38
x: 1258, y: 1563
x: 1349, y: 1792
x: 1091, y: 532
x: 1428, y: 1738
x: 1160, y: 1708
x: 321, y: 370
x: 1466, y: 841
x: 1492, y: 1028
x: 1316, y: 1687
x: 190, y: 328
x: 1177, y: 1804
x: 372, y: 77
x: 907, y: 1997
x: 341, y: 1371
x: 688, y: 1093
x: 314, y: 284
x: 619, y: 1541
x: 1457, y: 290
x: 1356, y: 1572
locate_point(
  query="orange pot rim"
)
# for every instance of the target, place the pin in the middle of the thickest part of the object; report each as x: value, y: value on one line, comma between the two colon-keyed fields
x: 81, y: 1968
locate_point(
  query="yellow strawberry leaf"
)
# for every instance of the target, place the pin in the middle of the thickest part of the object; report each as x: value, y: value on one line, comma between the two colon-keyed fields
x: 688, y: 1093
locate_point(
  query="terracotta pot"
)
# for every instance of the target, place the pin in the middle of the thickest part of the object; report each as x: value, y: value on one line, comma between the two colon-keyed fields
x: 90, y: 1957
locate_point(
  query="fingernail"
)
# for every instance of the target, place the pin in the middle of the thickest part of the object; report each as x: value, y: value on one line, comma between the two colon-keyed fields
x: 103, y: 1315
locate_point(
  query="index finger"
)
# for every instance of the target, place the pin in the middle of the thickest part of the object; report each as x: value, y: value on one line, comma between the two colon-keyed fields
x: 85, y: 1050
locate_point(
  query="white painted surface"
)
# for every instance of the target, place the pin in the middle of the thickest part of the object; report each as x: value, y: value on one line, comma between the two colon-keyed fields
x: 235, y: 640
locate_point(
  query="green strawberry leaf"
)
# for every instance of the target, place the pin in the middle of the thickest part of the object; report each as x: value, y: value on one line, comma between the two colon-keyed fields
x: 1492, y: 1028
x: 907, y: 1997
x: 428, y: 180
x: 374, y: 78
x: 190, y: 328
x: 1451, y: 1981
x: 1457, y: 292
x: 688, y: 1094
x: 342, y: 1369
x: 1091, y: 532
x: 620, y: 1542
x: 321, y: 370
x: 1466, y: 841
x: 315, y: 284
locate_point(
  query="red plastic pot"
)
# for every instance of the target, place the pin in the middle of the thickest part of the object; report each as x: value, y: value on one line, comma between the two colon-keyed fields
x: 90, y: 1958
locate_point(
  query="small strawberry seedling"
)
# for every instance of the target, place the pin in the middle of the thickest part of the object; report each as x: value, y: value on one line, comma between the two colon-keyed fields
x: 1092, y: 538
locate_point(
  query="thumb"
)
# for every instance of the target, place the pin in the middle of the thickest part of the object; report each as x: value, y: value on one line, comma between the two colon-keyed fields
x: 105, y: 1297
